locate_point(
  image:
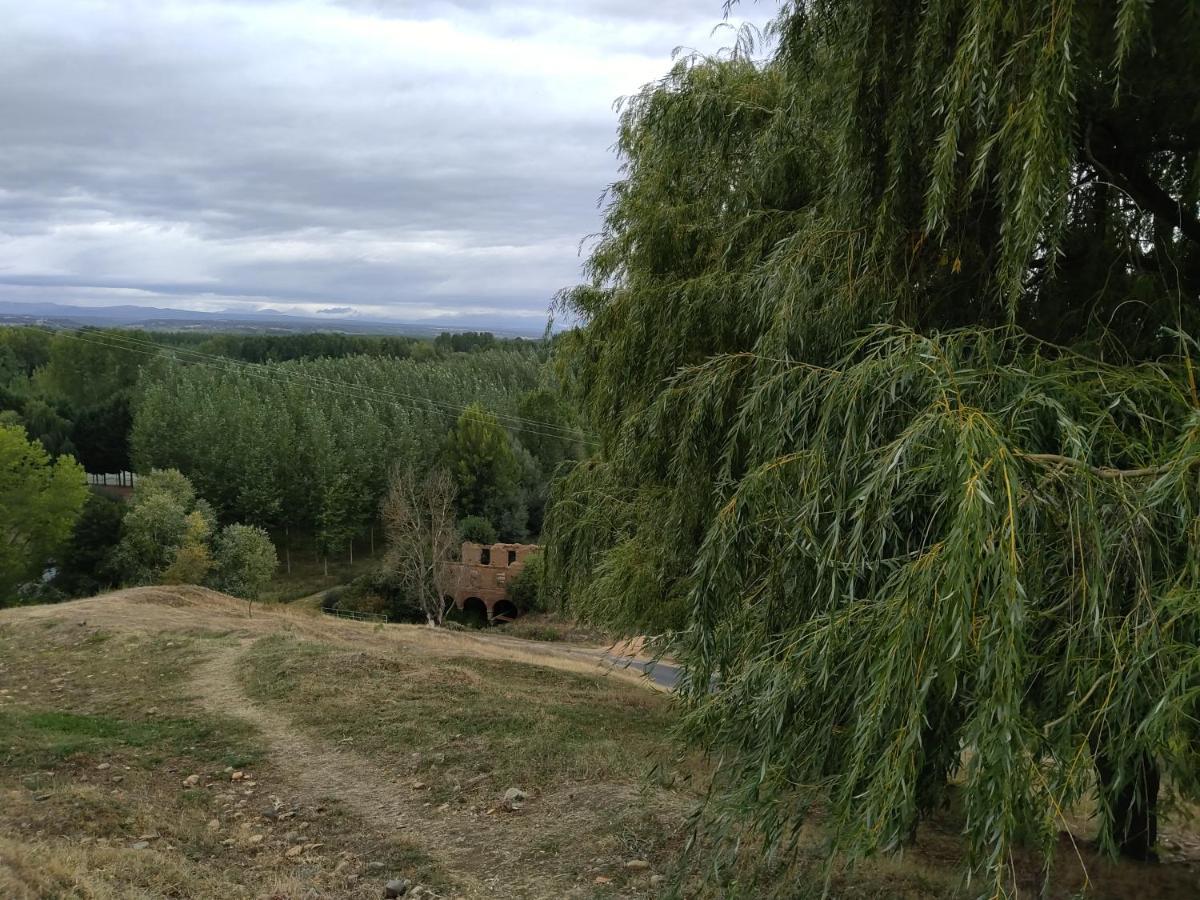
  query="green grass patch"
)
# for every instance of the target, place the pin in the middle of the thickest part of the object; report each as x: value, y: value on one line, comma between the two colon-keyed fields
x: 39, y: 738
x: 467, y: 716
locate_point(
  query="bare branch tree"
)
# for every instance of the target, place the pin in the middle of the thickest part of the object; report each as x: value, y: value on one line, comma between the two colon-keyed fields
x: 418, y: 517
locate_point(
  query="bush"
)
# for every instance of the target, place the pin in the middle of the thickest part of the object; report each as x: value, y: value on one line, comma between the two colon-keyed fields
x: 380, y: 592
x: 477, y: 530
x: 332, y: 599
x: 86, y: 566
x: 527, y: 590
x: 245, y: 561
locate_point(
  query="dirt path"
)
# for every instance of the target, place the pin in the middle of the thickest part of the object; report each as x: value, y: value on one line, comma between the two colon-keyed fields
x: 487, y: 852
x: 471, y: 846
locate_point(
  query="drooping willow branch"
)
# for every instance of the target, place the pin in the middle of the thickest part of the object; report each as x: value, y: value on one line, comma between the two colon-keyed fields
x: 1099, y: 471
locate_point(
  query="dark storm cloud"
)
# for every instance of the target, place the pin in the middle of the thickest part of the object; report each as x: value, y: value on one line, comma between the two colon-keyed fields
x: 396, y: 158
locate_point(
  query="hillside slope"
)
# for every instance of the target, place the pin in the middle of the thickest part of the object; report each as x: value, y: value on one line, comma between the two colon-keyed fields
x: 172, y: 742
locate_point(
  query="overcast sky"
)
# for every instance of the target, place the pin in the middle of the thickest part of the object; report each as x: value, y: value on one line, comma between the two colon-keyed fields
x: 400, y: 159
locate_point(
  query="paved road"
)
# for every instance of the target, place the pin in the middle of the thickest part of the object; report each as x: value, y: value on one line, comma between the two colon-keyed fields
x: 660, y: 673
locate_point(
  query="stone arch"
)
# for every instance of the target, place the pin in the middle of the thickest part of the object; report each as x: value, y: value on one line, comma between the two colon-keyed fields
x: 475, y: 612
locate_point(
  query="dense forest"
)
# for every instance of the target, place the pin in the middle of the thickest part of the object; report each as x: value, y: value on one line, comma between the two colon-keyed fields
x: 290, y: 434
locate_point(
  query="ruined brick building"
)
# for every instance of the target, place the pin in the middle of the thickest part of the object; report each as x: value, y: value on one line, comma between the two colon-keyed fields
x: 480, y: 582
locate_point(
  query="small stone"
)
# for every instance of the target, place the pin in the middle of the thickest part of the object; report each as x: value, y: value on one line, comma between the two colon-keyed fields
x: 191, y: 781
x: 270, y: 812
x: 139, y: 845
x: 341, y: 867
x: 256, y: 839
x: 214, y: 825
x: 601, y: 879
x: 397, y: 887
x: 513, y: 799
x: 293, y: 852
x: 375, y: 866
x: 418, y: 785
x: 658, y: 879
x: 637, y: 865
x: 102, y: 767
x: 237, y: 776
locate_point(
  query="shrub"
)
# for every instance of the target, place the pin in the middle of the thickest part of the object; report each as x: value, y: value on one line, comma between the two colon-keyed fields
x: 527, y: 590
x: 246, y: 560
x: 380, y: 592
x: 86, y: 565
x: 477, y: 529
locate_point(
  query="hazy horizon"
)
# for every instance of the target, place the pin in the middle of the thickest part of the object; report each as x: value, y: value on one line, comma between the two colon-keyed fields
x: 423, y: 162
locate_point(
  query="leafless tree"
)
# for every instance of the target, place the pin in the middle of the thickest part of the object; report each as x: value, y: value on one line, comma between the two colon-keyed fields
x: 418, y: 517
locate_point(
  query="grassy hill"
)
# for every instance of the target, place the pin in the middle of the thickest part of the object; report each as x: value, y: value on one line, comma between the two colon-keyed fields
x: 162, y: 742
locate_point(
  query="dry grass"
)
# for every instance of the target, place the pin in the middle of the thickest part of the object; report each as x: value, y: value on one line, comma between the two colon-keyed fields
x: 99, y: 738
x: 370, y: 743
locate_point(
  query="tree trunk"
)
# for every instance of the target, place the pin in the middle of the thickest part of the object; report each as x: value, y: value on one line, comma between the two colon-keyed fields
x: 325, y: 562
x: 1134, y: 807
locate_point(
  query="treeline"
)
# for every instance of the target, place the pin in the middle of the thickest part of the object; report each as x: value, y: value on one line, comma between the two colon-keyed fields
x: 309, y: 445
x: 302, y: 446
x: 269, y: 348
x: 73, y: 392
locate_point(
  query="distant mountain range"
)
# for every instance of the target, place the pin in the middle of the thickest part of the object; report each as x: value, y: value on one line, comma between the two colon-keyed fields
x: 58, y: 315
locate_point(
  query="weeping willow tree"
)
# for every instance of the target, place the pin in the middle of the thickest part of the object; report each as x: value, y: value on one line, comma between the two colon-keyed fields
x: 886, y: 341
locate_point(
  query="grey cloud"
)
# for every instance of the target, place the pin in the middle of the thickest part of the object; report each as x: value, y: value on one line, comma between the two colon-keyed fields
x: 284, y: 151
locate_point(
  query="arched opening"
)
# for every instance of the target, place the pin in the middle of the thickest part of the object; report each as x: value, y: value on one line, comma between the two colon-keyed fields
x: 473, y: 614
x: 504, y: 611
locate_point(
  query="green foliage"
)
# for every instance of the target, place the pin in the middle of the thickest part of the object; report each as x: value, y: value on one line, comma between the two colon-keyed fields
x: 171, y: 483
x: 380, y: 591
x: 245, y: 560
x: 151, y: 534
x: 40, y: 501
x: 465, y: 341
x: 886, y: 349
x: 477, y: 529
x: 527, y: 589
x: 93, y: 367
x: 271, y: 348
x: 101, y: 435
x: 479, y: 456
x: 192, y: 561
x: 271, y: 446
x: 548, y: 431
x: 166, y: 533
x: 44, y: 423
x: 85, y: 567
